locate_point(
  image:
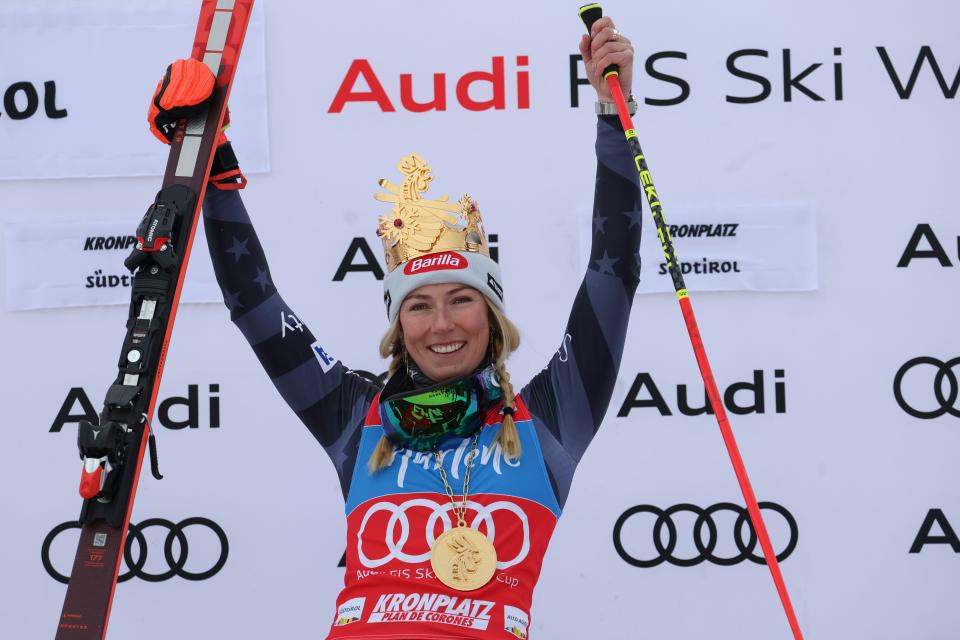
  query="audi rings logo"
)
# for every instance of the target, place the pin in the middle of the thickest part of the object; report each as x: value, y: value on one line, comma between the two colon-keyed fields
x: 705, y: 535
x: 137, y: 544
x: 397, y: 531
x: 946, y: 401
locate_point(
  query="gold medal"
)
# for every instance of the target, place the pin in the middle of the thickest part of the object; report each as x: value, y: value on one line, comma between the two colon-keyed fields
x: 463, y: 558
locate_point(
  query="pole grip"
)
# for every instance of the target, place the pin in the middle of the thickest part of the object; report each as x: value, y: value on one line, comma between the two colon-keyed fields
x: 590, y: 13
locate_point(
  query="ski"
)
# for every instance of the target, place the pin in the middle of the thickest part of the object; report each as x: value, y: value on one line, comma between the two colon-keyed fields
x: 113, y: 450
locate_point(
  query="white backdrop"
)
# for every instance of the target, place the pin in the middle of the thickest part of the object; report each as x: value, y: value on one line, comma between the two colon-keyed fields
x: 858, y: 472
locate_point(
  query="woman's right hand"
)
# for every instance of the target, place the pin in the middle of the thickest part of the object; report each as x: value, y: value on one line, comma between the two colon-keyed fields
x: 182, y: 92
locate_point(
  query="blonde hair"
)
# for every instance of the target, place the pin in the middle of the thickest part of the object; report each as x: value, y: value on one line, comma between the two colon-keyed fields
x: 504, y: 340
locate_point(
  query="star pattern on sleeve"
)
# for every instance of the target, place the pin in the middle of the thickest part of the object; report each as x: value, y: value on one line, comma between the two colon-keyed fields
x: 635, y: 216
x: 598, y: 222
x: 238, y: 249
x: 605, y: 263
x: 262, y: 279
x: 232, y: 300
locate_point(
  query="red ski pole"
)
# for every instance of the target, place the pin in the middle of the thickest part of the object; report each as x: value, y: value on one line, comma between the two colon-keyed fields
x: 589, y: 14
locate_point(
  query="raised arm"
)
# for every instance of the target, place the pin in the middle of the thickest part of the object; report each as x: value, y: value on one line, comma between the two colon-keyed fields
x: 329, y: 399
x: 570, y: 396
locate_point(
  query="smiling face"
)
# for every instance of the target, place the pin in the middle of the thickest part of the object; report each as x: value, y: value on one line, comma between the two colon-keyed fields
x: 446, y: 329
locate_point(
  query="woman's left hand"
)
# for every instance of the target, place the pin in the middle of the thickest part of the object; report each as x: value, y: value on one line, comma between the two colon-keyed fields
x: 603, y: 47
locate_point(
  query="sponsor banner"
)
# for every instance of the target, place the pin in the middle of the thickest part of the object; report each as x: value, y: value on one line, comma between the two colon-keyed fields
x: 927, y: 250
x: 936, y: 530
x: 752, y: 248
x: 665, y: 536
x: 78, y: 81
x: 516, y: 621
x: 172, y: 545
x: 432, y: 607
x: 71, y: 264
x: 349, y: 612
x: 198, y: 409
x: 762, y: 393
x: 926, y: 387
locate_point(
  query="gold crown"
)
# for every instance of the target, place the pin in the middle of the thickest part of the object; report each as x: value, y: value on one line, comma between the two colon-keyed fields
x: 416, y: 226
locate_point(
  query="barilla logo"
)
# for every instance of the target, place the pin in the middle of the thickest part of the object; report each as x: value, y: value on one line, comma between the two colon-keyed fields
x: 435, y: 262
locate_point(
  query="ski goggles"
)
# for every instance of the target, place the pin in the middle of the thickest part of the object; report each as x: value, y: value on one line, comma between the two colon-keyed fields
x: 423, y: 419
